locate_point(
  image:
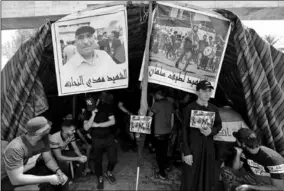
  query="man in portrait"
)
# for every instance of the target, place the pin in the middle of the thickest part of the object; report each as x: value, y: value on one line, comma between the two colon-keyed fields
x: 87, y: 61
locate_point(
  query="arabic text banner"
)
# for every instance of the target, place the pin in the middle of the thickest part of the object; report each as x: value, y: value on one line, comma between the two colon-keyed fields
x: 226, y: 133
x: 140, y: 124
x: 186, y: 45
x: 91, y: 50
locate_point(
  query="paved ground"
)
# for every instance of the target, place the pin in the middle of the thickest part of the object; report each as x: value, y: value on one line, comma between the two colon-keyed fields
x: 125, y: 173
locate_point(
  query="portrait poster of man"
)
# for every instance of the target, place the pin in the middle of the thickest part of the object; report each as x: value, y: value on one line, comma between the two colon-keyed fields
x: 186, y: 45
x: 140, y: 124
x: 91, y: 50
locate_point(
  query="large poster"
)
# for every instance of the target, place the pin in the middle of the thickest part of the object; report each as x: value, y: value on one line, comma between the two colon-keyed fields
x: 91, y: 50
x: 228, y: 128
x: 186, y: 45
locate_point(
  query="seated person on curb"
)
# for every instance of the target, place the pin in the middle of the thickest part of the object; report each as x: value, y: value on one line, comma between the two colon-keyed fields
x: 60, y: 144
x: 30, y: 146
x: 84, y: 141
x: 254, y: 167
x: 100, y: 119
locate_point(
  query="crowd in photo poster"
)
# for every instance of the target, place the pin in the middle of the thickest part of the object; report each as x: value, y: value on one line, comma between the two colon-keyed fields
x: 186, y: 46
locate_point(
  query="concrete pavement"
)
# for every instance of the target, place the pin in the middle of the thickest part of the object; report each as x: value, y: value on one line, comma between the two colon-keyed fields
x: 125, y: 173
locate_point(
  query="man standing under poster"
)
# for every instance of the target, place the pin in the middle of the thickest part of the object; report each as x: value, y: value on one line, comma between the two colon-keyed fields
x: 201, y: 122
x: 100, y: 119
x: 163, y: 112
x: 87, y: 61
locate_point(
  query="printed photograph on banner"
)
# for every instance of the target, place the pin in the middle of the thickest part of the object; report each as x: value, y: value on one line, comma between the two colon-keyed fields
x: 91, y: 50
x: 186, y: 46
x: 202, y: 119
x: 140, y: 124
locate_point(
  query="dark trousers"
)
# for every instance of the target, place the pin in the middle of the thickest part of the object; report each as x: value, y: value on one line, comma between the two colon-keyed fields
x: 99, y: 146
x: 161, y: 144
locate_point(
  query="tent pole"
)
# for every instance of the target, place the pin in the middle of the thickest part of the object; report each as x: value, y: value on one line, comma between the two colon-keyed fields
x: 143, y: 102
x: 74, y: 106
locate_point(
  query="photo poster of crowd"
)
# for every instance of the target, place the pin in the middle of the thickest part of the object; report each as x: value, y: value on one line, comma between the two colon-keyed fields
x: 186, y: 45
x: 91, y: 50
x: 140, y: 124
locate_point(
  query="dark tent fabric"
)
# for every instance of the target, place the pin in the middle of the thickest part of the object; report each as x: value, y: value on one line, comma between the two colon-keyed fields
x: 260, y: 67
x: 251, y: 77
x: 22, y: 93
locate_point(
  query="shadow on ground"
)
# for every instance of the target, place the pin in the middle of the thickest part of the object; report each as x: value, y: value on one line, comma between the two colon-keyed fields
x: 125, y: 173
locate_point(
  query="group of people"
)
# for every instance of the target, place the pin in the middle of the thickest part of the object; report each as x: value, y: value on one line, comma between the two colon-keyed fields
x: 252, y: 167
x: 205, y: 53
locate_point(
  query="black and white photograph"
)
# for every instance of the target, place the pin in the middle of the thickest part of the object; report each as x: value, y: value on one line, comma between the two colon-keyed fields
x: 91, y: 51
x: 140, y: 124
x: 186, y: 46
x: 202, y: 119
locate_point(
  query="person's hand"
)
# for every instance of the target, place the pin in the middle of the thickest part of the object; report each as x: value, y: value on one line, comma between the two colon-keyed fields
x: 94, y: 112
x: 243, y: 187
x: 239, y: 150
x: 54, y: 179
x: 188, y: 159
x: 83, y: 159
x: 62, y: 177
x: 206, y: 131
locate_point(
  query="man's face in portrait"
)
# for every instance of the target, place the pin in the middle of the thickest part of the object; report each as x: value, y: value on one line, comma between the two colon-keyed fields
x: 85, y: 44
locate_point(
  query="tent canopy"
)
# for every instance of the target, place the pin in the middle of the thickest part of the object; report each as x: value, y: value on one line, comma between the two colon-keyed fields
x: 251, y: 77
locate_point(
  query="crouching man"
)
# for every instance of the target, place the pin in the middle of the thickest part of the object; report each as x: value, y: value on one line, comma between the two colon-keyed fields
x: 254, y: 167
x: 60, y: 143
x: 23, y: 175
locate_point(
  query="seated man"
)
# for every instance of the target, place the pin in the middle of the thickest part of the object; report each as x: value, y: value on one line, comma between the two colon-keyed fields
x: 255, y: 167
x: 30, y: 146
x: 59, y: 143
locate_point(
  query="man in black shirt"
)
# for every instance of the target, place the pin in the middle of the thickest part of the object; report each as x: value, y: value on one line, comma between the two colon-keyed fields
x: 101, y: 120
x: 254, y: 167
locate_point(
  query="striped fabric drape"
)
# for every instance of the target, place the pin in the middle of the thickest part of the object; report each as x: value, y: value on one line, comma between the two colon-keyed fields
x: 261, y: 69
x: 22, y: 94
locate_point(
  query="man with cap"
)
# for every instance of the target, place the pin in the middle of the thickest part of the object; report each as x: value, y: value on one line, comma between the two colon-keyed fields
x: 87, y: 61
x: 22, y: 153
x: 254, y: 167
x: 201, y: 122
x: 100, y: 120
